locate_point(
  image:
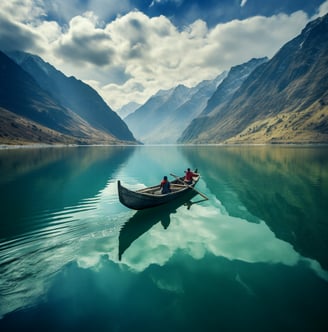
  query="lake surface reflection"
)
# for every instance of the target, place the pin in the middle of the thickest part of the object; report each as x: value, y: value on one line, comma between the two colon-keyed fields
x: 252, y: 257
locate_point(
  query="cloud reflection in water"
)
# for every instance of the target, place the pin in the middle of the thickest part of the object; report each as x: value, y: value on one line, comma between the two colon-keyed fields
x: 208, y: 228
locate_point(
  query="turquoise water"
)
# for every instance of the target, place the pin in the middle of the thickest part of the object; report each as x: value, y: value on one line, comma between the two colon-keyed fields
x: 253, y: 257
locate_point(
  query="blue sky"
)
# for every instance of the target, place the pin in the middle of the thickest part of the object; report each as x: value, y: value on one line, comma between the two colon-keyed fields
x: 183, y: 12
x: 129, y: 49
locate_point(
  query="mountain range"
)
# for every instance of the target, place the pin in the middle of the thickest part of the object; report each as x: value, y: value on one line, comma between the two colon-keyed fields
x: 281, y: 100
x: 284, y: 100
x: 39, y: 104
x: 166, y: 114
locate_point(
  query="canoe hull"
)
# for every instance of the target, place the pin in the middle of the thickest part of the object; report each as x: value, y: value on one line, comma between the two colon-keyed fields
x: 137, y: 200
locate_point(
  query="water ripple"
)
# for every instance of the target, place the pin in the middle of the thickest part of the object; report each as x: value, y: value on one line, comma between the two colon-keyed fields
x: 54, y: 238
x: 50, y: 228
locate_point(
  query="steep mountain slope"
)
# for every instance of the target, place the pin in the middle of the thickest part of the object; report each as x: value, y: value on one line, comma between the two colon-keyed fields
x: 30, y: 114
x: 15, y: 129
x: 283, y: 100
x: 166, y: 114
x: 235, y: 78
x: 20, y: 94
x: 219, y: 100
x: 74, y: 95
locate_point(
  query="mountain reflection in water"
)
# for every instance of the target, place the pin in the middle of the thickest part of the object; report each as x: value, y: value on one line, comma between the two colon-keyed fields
x: 36, y: 181
x: 282, y: 185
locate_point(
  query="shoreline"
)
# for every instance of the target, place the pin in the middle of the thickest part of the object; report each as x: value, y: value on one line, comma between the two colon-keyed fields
x: 44, y: 145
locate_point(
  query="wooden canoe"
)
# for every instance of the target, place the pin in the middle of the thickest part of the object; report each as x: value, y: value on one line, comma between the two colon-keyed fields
x: 150, y: 197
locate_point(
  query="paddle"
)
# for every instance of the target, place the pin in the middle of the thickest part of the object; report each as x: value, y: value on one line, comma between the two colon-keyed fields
x: 187, y: 185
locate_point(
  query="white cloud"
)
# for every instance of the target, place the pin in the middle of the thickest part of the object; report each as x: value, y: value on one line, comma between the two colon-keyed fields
x: 158, y: 56
x: 18, y: 20
x: 238, y: 41
x: 84, y: 42
x: 243, y: 3
x: 323, y: 9
x: 26, y: 11
x: 133, y: 56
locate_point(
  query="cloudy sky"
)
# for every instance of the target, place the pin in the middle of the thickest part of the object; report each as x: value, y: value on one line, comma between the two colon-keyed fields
x: 129, y: 49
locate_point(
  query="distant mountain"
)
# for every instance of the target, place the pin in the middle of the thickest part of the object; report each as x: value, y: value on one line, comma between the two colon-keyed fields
x: 74, y: 95
x: 127, y: 109
x: 146, y: 121
x: 166, y: 114
x: 284, y: 100
x: 219, y: 100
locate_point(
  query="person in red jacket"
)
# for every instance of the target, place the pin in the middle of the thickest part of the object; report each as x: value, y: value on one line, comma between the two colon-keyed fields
x: 188, y: 176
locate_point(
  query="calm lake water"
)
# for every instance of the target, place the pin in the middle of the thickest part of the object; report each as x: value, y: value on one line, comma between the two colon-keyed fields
x: 254, y: 257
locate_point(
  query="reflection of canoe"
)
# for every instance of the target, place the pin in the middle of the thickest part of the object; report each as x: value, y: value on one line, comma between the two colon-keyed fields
x: 151, y: 196
x: 143, y: 221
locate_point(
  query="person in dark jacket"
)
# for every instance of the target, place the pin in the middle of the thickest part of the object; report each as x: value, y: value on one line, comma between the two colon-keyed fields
x: 165, y: 185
